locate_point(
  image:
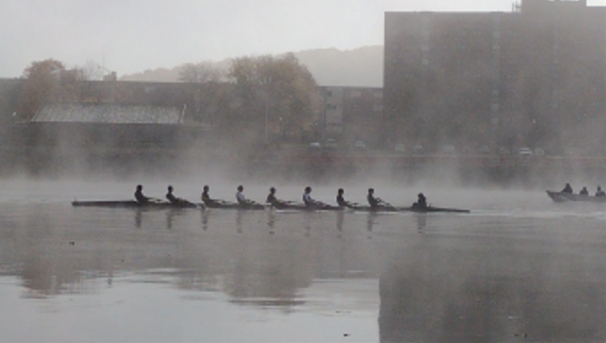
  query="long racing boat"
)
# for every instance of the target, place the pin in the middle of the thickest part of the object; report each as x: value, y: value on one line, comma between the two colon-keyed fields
x: 392, y: 209
x: 257, y: 206
x: 568, y: 197
x: 221, y: 204
x: 135, y: 204
x: 303, y: 207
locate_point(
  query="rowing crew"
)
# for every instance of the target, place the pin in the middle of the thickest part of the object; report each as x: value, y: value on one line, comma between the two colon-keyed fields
x: 142, y: 199
x: 375, y: 203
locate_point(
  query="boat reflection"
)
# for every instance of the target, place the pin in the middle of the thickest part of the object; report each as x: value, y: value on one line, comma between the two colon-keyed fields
x: 257, y: 267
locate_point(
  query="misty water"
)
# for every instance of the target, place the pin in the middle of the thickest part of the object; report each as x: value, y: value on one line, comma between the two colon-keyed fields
x: 518, y: 268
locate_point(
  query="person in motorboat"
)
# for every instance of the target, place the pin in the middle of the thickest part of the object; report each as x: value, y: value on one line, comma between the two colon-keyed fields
x: 341, y: 199
x: 141, y: 199
x: 567, y: 189
x: 584, y: 191
x: 421, y: 202
x: 599, y: 192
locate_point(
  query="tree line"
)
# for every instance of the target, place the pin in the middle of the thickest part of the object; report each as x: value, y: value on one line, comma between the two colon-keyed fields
x: 258, y: 98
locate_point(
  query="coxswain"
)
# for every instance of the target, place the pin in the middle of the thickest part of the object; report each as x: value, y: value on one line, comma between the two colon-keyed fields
x: 567, y: 189
x: 141, y: 199
x: 584, y: 191
x: 341, y: 200
x: 600, y: 192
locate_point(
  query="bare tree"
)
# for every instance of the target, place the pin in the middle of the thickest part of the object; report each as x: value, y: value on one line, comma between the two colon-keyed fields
x: 89, y: 71
x: 200, y: 73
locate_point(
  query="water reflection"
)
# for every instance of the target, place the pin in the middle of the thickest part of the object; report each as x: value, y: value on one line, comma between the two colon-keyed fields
x: 172, y: 214
x: 205, y: 214
x: 271, y: 222
x: 421, y: 221
x: 370, y: 223
x: 138, y: 217
x: 239, y: 214
x: 491, y: 291
x: 340, y: 221
x: 466, y: 283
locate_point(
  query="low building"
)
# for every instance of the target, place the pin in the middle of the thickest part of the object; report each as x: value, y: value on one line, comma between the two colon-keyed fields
x: 99, y: 126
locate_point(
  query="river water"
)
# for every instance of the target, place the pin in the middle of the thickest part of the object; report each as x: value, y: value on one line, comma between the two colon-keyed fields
x: 518, y: 268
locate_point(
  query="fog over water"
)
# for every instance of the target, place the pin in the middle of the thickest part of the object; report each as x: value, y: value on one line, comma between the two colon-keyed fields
x: 517, y: 268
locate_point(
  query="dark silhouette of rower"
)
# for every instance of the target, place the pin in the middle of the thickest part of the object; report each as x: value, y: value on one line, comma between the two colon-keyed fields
x: 599, y: 192
x: 584, y: 191
x: 341, y: 199
x: 421, y: 201
x: 206, y: 197
x: 141, y: 199
x: 271, y: 197
x: 173, y: 199
x: 372, y: 201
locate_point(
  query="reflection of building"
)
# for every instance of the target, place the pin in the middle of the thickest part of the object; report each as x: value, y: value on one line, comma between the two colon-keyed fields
x: 353, y: 113
x: 490, y: 290
x: 497, y: 78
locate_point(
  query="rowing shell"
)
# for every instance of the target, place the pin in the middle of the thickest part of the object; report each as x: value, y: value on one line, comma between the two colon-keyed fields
x: 428, y: 209
x: 134, y: 204
x: 256, y: 206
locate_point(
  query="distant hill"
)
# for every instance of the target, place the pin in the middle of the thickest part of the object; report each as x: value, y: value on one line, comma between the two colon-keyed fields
x: 362, y: 67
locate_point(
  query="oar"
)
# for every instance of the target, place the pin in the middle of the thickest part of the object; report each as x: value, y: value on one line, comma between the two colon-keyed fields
x: 386, y: 204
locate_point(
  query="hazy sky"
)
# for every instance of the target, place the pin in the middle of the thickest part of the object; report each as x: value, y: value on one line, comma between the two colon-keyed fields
x: 134, y: 35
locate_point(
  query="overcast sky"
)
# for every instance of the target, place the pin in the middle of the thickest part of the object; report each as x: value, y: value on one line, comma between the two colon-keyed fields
x: 131, y: 36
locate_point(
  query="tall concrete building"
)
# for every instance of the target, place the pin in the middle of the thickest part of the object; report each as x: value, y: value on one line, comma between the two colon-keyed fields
x: 352, y: 114
x: 535, y: 76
